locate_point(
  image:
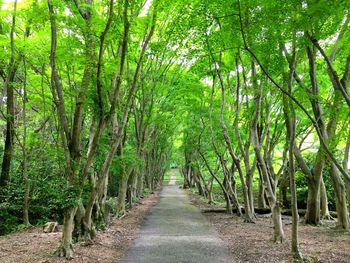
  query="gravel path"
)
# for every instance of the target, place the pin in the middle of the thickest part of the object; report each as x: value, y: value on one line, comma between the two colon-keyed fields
x: 175, y: 231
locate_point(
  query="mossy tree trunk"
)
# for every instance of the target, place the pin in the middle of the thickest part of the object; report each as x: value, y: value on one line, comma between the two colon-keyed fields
x: 123, y: 186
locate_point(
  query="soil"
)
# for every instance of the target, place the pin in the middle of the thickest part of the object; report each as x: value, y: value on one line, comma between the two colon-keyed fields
x: 247, y: 242
x: 111, y: 245
x: 253, y: 242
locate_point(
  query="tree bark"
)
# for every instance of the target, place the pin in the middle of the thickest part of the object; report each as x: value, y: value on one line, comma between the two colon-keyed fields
x: 25, y: 154
x: 66, y: 248
x: 278, y: 235
x: 290, y: 122
x: 343, y: 220
x: 123, y: 185
x: 10, y: 107
x: 71, y: 136
x: 248, y: 216
x: 324, y: 202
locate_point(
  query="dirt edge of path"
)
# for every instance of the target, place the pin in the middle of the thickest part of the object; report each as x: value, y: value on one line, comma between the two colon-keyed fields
x: 110, y: 245
x: 253, y: 242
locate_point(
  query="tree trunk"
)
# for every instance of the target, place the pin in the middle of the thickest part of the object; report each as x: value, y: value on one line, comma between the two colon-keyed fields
x: 312, y: 215
x: 278, y: 233
x: 324, y: 202
x: 343, y: 220
x: 131, y: 188
x: 123, y: 185
x: 290, y: 122
x: 140, y: 184
x: 267, y: 181
x: 66, y: 248
x: 226, y: 195
x: 10, y: 108
x: 210, y: 191
x: 25, y: 155
x: 102, y: 214
x: 87, y: 220
x: 261, y: 196
x: 249, y: 176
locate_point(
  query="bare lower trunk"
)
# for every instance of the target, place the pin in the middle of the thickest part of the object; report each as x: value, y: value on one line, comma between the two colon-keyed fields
x: 228, y: 203
x: 26, y: 202
x: 295, y: 216
x: 340, y: 196
x: 131, y: 188
x: 250, y: 192
x: 102, y: 214
x: 26, y: 187
x: 139, y: 186
x: 123, y: 185
x: 312, y: 215
x: 261, y: 196
x: 89, y: 231
x: 324, y: 202
x: 87, y: 220
x: 278, y: 233
x: 210, y: 191
x: 347, y: 184
x: 10, y: 109
x: 283, y: 196
x: 66, y: 247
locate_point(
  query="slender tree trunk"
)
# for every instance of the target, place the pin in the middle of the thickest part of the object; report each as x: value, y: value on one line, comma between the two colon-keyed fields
x: 244, y: 149
x: 248, y: 216
x: 224, y: 191
x: 249, y: 176
x: 10, y: 108
x: 278, y: 235
x: 26, y: 191
x: 343, y: 220
x: 140, y: 184
x: 210, y: 191
x: 290, y: 122
x: 102, y: 214
x: 25, y: 155
x: 324, y: 202
x: 283, y: 187
x: 97, y: 197
x: 123, y: 185
x: 89, y: 231
x: 66, y: 249
x: 295, y: 216
x: 71, y: 136
x: 261, y: 196
x: 346, y: 166
x: 131, y: 188
x: 312, y: 215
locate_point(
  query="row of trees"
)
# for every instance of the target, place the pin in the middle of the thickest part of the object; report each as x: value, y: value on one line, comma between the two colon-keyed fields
x: 274, y: 102
x: 84, y: 103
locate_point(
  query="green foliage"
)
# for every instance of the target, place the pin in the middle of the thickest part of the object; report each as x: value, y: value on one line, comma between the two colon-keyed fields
x: 195, y: 75
x: 112, y: 203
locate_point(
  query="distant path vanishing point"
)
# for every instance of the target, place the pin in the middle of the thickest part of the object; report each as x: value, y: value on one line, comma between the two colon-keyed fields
x: 175, y: 231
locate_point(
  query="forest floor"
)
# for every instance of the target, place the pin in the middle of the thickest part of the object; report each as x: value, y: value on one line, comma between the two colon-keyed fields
x: 247, y: 242
x: 111, y: 245
x: 253, y: 242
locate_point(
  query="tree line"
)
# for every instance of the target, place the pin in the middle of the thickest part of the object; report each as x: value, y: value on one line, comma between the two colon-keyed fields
x: 81, y: 109
x: 274, y: 108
